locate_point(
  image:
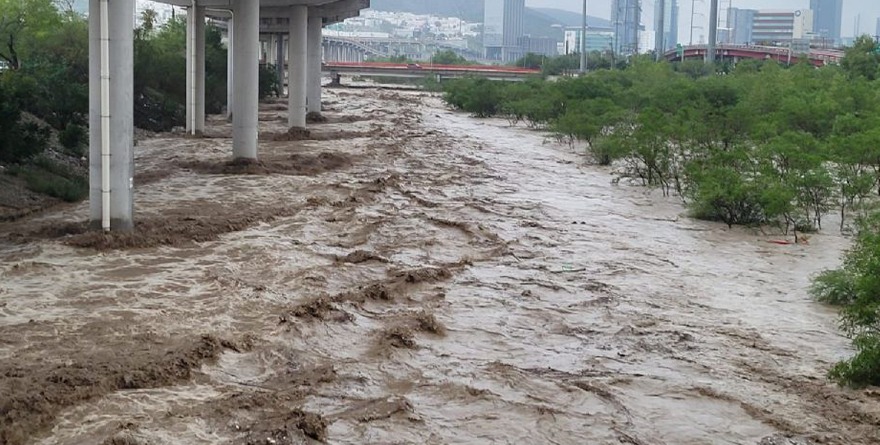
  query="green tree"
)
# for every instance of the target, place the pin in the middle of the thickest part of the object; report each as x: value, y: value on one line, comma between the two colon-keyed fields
x: 861, y: 59
x: 449, y: 57
x: 855, y: 287
x: 24, y: 25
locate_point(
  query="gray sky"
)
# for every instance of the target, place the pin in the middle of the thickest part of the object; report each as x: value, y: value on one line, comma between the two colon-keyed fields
x: 869, y: 10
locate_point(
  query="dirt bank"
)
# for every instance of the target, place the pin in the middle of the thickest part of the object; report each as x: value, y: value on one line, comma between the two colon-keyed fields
x: 411, y: 276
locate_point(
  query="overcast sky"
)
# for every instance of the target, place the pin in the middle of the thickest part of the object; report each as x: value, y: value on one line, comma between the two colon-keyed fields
x: 869, y: 10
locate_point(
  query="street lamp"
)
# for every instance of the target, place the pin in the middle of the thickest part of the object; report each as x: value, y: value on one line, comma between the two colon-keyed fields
x: 584, y: 41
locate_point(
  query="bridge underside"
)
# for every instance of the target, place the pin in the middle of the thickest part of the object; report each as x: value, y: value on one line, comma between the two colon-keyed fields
x: 111, y: 100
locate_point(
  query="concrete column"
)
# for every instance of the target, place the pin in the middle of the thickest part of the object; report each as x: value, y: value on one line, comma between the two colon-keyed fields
x: 195, y: 70
x: 279, y: 58
x: 230, y: 63
x: 297, y: 66
x: 121, y: 35
x: 313, y: 101
x: 246, y: 47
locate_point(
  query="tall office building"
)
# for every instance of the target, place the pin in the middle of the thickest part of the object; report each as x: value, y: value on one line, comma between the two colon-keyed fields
x: 775, y: 27
x: 626, y: 19
x: 827, y: 18
x: 669, y: 34
x: 739, y: 26
x: 502, y: 29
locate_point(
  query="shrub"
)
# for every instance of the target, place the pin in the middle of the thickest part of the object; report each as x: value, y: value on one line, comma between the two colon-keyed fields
x: 73, y: 138
x: 856, y: 288
x: 53, y: 179
x: 270, y: 85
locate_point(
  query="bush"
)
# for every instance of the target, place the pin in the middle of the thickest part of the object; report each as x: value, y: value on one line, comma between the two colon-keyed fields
x: 864, y: 368
x: 73, y: 138
x: 479, y: 96
x: 270, y: 85
x: 856, y: 288
x: 53, y: 179
x: 19, y: 141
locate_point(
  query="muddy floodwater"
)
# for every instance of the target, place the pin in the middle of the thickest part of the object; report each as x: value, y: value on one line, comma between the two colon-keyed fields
x: 411, y: 275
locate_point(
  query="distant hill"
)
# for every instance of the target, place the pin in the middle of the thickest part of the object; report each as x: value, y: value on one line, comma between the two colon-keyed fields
x: 569, y: 18
x: 469, y: 10
x: 538, y: 22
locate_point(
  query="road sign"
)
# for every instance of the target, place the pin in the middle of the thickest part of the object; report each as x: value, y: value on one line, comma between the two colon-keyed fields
x: 679, y: 50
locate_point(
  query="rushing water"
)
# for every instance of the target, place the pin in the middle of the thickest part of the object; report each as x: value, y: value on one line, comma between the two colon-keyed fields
x: 573, y: 311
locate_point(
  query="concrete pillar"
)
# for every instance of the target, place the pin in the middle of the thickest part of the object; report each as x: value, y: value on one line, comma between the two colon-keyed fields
x: 230, y: 72
x: 121, y: 36
x: 297, y: 66
x: 313, y: 100
x: 195, y: 70
x: 246, y: 47
x: 279, y: 58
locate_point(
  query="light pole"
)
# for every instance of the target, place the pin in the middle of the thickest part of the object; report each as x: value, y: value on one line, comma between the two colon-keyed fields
x: 584, y: 41
x: 713, y: 31
x: 660, y: 34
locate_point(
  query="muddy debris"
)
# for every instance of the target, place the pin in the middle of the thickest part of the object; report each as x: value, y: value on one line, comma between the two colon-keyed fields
x: 293, y: 134
x: 780, y: 439
x: 288, y: 428
x: 319, y: 308
x: 315, y: 117
x: 360, y: 257
x: 124, y: 439
x: 301, y: 377
x: 427, y: 322
x: 381, y: 409
x: 294, y: 165
x: 34, y: 395
x: 424, y: 275
x: 398, y: 337
x: 306, y: 164
x: 180, y: 230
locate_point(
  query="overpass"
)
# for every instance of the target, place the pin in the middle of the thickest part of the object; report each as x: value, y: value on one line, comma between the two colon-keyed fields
x: 412, y: 70
x: 738, y: 52
x: 386, y: 47
x: 111, y: 82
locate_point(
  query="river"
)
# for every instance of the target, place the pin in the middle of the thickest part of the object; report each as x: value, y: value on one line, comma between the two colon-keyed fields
x: 410, y: 274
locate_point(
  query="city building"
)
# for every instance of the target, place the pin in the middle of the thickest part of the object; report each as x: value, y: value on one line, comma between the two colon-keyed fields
x: 598, y: 39
x: 669, y: 34
x: 502, y: 29
x: 781, y: 27
x: 544, y: 46
x: 739, y: 27
x: 626, y: 20
x: 827, y: 18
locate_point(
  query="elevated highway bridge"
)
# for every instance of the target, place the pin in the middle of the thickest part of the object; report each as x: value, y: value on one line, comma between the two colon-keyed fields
x: 411, y: 70
x: 735, y: 53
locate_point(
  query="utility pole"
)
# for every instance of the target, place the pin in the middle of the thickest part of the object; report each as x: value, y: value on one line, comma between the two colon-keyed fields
x: 584, y: 41
x: 660, y: 34
x: 713, y: 32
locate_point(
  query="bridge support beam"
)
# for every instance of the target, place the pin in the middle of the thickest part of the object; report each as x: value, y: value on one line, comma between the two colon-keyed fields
x: 230, y: 64
x: 297, y: 66
x: 313, y: 100
x: 246, y: 48
x: 279, y: 58
x: 119, y: 115
x: 195, y: 70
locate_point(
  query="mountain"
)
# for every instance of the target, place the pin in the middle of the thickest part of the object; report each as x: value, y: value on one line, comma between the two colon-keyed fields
x: 569, y: 18
x: 468, y: 10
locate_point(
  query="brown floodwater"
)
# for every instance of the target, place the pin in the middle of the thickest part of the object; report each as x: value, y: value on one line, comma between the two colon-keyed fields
x: 410, y: 274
